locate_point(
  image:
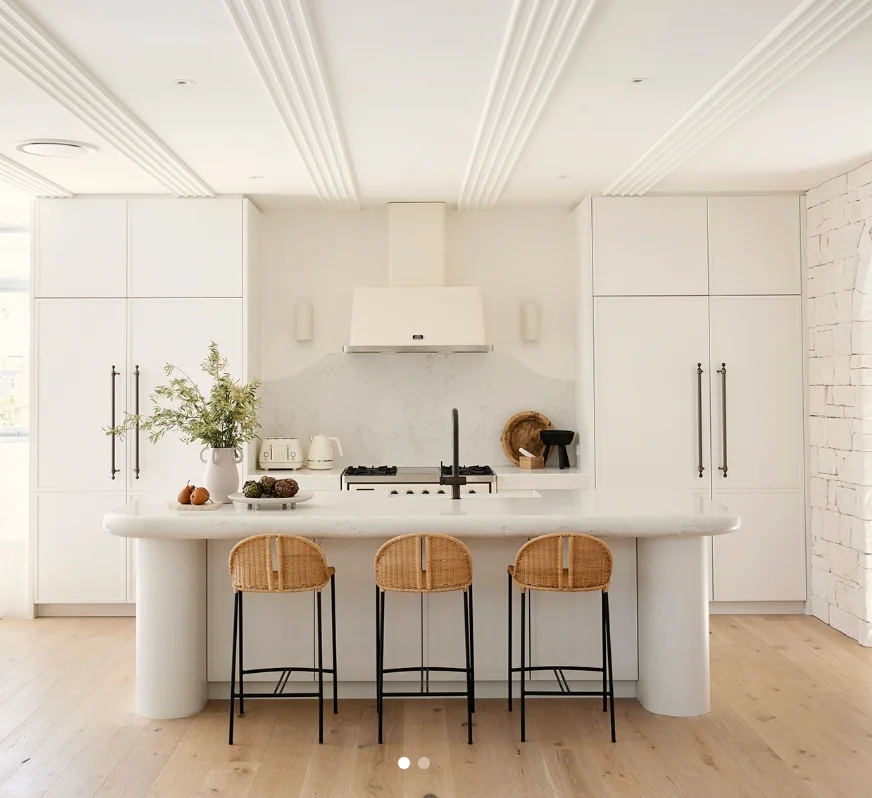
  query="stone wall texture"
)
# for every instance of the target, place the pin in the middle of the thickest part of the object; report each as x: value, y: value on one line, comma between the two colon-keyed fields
x: 839, y: 318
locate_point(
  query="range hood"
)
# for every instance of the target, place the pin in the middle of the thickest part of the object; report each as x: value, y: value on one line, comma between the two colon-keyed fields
x: 417, y: 312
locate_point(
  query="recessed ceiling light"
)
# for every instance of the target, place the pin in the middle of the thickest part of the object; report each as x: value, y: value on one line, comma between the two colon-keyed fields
x: 56, y: 148
x: 185, y: 82
x: 641, y: 80
x: 256, y: 177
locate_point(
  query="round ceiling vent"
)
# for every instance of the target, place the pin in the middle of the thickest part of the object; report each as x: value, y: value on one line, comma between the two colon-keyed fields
x: 56, y: 148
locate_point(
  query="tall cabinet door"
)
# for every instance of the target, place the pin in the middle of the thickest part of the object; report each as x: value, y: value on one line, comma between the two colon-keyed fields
x: 757, y: 433
x: 652, y: 405
x: 78, y: 344
x: 176, y: 331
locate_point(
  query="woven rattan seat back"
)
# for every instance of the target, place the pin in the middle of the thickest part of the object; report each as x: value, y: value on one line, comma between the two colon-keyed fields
x: 278, y: 564
x: 423, y: 564
x: 540, y: 564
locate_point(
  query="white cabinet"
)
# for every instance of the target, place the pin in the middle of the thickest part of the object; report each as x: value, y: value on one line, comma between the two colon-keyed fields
x: 186, y: 248
x: 81, y: 248
x: 176, y: 331
x: 78, y: 342
x: 649, y: 394
x: 650, y: 246
x: 760, y: 341
x: 754, y: 245
x: 764, y: 560
x: 77, y: 561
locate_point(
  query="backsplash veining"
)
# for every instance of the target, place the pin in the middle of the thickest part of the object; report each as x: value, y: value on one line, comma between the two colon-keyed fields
x: 396, y: 409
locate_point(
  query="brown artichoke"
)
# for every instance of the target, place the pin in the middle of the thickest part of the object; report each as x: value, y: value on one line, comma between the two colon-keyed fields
x: 286, y: 488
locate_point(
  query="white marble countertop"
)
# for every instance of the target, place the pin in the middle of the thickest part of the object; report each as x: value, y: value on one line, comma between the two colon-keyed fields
x: 354, y: 515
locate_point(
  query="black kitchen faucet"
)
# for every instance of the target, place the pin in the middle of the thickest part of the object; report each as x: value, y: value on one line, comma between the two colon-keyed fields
x: 455, y: 480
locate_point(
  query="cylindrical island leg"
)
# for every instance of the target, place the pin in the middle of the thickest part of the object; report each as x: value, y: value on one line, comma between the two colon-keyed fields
x: 170, y: 628
x: 673, y: 612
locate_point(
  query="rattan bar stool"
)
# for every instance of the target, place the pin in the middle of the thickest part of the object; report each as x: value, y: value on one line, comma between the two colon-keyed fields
x: 421, y: 563
x: 539, y: 565
x: 280, y: 564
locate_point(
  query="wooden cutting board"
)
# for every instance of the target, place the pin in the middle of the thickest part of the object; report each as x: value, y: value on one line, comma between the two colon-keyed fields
x: 522, y: 432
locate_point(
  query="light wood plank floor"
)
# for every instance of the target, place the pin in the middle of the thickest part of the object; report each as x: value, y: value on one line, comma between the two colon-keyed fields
x: 792, y: 716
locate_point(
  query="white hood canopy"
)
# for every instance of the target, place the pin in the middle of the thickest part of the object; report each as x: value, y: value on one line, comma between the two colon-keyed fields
x: 417, y: 313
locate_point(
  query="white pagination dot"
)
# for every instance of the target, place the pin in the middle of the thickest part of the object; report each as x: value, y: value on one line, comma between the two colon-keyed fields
x: 423, y: 763
x: 404, y: 762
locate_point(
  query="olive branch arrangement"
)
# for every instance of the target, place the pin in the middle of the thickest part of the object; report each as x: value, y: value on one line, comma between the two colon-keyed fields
x: 227, y: 419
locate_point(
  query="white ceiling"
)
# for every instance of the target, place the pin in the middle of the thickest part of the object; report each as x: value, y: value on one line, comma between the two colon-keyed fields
x: 407, y: 85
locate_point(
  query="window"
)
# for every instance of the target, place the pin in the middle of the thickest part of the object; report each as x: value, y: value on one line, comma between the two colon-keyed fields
x: 14, y: 331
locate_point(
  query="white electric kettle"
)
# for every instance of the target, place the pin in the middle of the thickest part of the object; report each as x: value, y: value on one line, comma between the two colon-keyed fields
x: 321, y: 452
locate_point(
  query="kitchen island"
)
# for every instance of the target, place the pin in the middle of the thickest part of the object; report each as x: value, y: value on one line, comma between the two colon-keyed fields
x: 659, y: 591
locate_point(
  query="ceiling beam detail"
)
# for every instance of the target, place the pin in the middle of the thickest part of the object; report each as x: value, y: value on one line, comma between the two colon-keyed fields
x: 31, y: 50
x: 29, y: 181
x: 806, y: 33
x: 540, y: 37
x: 281, y: 41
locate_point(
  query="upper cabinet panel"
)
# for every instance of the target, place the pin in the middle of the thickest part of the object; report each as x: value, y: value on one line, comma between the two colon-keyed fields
x: 81, y: 248
x: 185, y: 247
x: 650, y: 246
x: 754, y: 245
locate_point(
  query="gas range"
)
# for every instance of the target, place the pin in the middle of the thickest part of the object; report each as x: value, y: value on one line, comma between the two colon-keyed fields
x: 416, y: 481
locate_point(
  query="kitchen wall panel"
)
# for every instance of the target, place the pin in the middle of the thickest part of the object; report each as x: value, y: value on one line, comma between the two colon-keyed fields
x: 395, y: 408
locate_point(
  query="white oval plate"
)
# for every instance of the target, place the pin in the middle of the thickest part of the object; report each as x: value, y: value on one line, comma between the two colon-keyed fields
x: 241, y: 498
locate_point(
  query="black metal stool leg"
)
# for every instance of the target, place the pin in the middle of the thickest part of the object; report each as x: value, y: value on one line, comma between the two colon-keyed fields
x: 381, y: 674
x: 472, y: 647
x: 333, y: 632
x: 320, y: 672
x: 377, y: 650
x: 233, y: 666
x: 468, y: 669
x: 241, y: 666
x: 509, y: 686
x: 523, y: 666
x: 611, y: 674
x: 605, y: 663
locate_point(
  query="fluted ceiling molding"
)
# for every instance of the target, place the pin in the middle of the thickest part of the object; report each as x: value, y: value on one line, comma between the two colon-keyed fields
x: 30, y: 49
x: 282, y: 43
x: 29, y: 181
x: 806, y: 33
x: 540, y: 37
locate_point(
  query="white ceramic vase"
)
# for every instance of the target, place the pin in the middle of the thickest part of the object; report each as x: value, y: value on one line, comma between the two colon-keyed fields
x: 221, y: 476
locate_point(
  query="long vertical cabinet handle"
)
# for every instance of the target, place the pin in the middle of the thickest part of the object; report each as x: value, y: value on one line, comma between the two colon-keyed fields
x: 136, y: 410
x: 700, y: 466
x: 723, y: 372
x: 114, y: 375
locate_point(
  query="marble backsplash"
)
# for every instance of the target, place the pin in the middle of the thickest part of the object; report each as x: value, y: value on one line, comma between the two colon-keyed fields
x: 396, y: 409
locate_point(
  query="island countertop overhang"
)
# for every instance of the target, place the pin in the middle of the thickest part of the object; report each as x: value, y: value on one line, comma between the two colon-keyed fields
x: 339, y: 514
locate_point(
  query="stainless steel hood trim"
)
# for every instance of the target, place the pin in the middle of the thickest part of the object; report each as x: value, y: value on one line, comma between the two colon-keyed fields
x: 419, y: 350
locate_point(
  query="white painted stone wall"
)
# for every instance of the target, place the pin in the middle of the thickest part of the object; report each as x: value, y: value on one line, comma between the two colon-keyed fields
x: 839, y: 317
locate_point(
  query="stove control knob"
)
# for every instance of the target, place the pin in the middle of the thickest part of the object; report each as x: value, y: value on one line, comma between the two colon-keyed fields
x: 472, y: 491
x: 442, y: 492
x: 410, y: 492
x: 425, y: 491
x: 394, y: 492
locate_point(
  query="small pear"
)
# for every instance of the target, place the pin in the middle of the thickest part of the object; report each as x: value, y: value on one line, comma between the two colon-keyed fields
x: 185, y: 494
x: 199, y: 496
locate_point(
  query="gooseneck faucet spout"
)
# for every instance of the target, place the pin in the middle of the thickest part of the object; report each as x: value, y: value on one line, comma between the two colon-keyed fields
x: 455, y: 480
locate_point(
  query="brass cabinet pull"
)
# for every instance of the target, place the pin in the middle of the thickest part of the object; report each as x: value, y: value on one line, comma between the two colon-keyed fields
x: 723, y: 372
x: 700, y: 466
x: 114, y: 375
x: 136, y: 410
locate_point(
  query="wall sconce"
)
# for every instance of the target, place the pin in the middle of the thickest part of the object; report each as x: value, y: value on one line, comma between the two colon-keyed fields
x: 529, y: 321
x: 303, y: 327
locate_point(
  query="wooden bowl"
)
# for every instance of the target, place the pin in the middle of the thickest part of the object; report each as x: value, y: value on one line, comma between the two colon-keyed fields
x: 522, y: 432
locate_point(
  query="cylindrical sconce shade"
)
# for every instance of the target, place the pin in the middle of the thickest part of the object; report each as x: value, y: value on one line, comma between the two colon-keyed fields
x: 529, y: 321
x: 303, y: 321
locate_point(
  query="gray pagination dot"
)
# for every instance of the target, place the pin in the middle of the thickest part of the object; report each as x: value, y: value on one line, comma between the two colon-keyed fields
x: 423, y: 763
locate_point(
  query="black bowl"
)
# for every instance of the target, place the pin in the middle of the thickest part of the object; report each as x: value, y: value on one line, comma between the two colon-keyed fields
x: 557, y: 437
